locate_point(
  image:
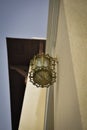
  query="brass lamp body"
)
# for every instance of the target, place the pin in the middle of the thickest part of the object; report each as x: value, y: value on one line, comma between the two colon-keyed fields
x: 42, y: 72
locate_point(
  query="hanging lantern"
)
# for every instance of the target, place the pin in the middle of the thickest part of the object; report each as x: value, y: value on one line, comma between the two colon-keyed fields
x: 42, y: 72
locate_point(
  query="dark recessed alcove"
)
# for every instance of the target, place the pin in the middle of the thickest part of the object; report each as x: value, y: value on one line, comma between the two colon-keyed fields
x: 20, y: 52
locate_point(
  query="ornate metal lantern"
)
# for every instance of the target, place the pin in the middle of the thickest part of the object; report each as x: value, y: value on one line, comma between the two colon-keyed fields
x: 42, y: 72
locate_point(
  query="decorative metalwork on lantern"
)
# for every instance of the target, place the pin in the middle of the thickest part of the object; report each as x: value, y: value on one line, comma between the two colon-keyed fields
x: 42, y: 72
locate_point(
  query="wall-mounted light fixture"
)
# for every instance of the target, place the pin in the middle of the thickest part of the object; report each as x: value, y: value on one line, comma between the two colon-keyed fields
x: 42, y: 72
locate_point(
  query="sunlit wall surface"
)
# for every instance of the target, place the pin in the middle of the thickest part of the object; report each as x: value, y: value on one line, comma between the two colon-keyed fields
x: 33, y: 111
x: 76, y: 17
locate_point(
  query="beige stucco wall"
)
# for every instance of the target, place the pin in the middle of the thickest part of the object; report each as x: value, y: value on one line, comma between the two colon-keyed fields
x: 66, y: 112
x: 76, y: 19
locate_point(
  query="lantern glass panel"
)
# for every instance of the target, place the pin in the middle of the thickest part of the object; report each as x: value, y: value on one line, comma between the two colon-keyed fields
x: 42, y: 61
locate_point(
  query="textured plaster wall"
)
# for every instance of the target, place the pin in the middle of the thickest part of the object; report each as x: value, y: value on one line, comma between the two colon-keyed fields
x: 76, y: 16
x: 70, y: 90
x: 66, y: 105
